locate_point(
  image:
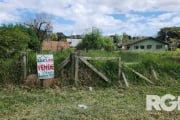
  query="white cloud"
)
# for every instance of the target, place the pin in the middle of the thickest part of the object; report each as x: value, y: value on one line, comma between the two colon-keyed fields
x: 165, y: 16
x: 88, y: 13
x: 176, y: 20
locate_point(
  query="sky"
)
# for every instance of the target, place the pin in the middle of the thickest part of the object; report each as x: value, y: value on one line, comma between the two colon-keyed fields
x: 134, y: 17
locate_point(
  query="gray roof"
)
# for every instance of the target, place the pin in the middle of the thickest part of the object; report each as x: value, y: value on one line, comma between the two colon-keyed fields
x: 131, y: 42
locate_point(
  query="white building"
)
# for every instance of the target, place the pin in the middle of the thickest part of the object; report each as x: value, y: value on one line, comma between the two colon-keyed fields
x: 73, y: 42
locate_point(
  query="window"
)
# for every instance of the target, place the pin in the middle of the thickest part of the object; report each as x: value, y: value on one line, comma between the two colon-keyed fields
x: 149, y: 46
x: 142, y: 46
x: 136, y: 47
x: 158, y: 46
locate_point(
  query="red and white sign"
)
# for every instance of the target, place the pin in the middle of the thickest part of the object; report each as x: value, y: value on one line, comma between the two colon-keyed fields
x: 45, y: 66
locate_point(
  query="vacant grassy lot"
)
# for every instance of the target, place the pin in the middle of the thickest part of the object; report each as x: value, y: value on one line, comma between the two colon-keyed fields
x: 110, y: 103
x: 102, y: 104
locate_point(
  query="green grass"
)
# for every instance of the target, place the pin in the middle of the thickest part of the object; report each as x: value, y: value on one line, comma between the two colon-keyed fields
x: 166, y: 65
x: 102, y: 104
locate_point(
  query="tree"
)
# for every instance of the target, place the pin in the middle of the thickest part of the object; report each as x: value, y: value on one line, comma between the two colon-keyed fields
x: 13, y: 38
x: 34, y: 43
x: 53, y: 36
x: 117, y: 39
x: 92, y: 40
x: 170, y: 35
x: 95, y: 40
x: 41, y: 25
x: 108, y: 44
x: 60, y: 36
x: 126, y: 37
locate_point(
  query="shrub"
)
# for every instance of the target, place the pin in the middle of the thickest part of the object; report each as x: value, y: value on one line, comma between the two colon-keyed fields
x: 95, y: 40
x: 108, y: 44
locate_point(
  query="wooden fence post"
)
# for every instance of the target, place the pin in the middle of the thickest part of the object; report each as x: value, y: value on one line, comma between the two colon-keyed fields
x: 72, y: 65
x: 76, y: 69
x: 140, y: 75
x: 125, y: 79
x: 119, y: 68
x: 24, y: 64
x: 94, y: 69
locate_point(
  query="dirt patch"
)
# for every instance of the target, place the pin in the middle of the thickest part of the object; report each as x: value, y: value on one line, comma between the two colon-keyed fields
x: 32, y: 81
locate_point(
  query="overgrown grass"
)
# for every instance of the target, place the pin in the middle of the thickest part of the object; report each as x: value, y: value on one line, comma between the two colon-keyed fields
x: 165, y: 64
x: 10, y: 70
x: 102, y: 104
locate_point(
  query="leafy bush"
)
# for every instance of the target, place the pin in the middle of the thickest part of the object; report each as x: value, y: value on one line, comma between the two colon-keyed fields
x: 34, y: 43
x: 95, y: 40
x: 108, y: 44
x: 13, y: 38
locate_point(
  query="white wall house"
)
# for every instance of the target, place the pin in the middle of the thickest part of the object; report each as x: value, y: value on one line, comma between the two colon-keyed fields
x: 73, y: 42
